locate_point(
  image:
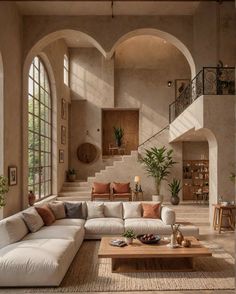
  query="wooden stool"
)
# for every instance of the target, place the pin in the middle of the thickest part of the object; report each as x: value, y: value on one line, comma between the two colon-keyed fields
x: 220, y: 212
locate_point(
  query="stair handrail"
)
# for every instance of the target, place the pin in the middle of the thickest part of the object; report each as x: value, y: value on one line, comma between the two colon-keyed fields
x: 157, y: 133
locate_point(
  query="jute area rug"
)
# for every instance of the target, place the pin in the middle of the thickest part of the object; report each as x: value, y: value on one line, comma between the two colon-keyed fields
x: 87, y: 273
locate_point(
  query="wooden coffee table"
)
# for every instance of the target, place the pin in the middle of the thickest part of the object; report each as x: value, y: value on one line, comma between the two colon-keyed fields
x: 158, y: 257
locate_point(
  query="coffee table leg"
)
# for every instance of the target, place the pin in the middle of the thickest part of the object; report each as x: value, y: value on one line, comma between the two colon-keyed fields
x: 113, y: 265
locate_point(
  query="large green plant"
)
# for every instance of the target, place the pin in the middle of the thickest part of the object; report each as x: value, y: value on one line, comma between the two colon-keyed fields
x: 3, y: 190
x: 158, y: 162
x: 119, y: 133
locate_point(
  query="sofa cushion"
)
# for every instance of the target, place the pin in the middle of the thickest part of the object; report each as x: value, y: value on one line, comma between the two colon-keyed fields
x: 167, y: 215
x: 84, y: 207
x: 95, y: 210
x: 113, y: 209
x: 73, y: 210
x: 32, y: 219
x: 46, y: 214
x: 58, y: 209
x: 101, y: 188
x: 151, y: 210
x: 147, y: 226
x: 41, y: 262
x: 12, y: 230
x: 69, y: 222
x: 104, y: 226
x: 132, y: 209
x: 120, y: 188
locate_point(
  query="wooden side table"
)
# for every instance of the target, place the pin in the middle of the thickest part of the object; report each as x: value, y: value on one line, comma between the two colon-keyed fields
x: 137, y: 195
x: 220, y: 212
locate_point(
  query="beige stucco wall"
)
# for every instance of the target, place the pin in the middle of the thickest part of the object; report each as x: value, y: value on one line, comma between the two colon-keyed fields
x: 10, y: 48
x: 195, y: 150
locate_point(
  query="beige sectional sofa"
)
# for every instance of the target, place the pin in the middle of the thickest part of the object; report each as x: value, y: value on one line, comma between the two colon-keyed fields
x: 43, y: 258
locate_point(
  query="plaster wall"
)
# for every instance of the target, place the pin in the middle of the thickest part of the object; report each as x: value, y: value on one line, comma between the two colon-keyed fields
x: 92, y: 88
x: 195, y: 150
x: 11, y: 50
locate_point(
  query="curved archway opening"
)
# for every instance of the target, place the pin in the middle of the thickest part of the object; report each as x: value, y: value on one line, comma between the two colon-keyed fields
x: 164, y: 35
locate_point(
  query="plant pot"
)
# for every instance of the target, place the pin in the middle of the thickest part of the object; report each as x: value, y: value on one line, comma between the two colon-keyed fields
x: 157, y: 198
x: 1, y: 213
x: 174, y: 199
x: 129, y: 240
x: 71, y: 178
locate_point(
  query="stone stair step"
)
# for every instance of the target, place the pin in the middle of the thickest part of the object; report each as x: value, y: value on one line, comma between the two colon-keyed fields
x: 75, y: 193
x: 73, y: 198
x: 75, y: 188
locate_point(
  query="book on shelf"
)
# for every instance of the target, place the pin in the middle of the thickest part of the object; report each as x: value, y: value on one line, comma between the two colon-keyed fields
x: 118, y: 243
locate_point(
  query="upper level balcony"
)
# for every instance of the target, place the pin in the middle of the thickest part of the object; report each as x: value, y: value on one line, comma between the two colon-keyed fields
x: 209, y: 81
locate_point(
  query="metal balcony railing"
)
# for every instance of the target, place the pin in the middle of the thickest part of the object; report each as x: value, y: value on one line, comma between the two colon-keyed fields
x: 209, y: 81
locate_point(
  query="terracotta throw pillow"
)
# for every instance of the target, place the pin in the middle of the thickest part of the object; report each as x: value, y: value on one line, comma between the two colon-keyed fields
x: 151, y: 210
x: 120, y: 188
x: 101, y: 188
x: 46, y: 214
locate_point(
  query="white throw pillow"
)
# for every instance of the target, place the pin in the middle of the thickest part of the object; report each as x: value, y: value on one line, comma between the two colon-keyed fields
x: 113, y: 209
x: 12, y: 230
x: 132, y: 210
x: 33, y: 220
x: 95, y: 210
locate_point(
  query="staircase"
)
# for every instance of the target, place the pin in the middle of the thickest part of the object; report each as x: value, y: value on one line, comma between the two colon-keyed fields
x: 81, y: 190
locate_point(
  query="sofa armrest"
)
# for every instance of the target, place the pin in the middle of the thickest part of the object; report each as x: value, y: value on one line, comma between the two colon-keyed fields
x: 167, y: 215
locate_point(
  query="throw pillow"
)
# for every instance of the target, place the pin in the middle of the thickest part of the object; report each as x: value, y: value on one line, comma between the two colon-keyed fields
x: 95, y: 210
x: 58, y: 209
x: 74, y: 210
x: 32, y: 219
x: 113, y: 209
x: 151, y: 210
x: 132, y: 210
x: 46, y: 214
x: 120, y: 188
x: 101, y: 188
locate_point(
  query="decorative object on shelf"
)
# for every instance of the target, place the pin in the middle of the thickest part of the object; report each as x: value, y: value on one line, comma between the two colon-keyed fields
x: 158, y: 162
x: 31, y: 198
x: 71, y: 175
x: 61, y: 156
x: 119, y: 133
x: 129, y: 236
x: 137, y: 181
x: 169, y: 84
x: 3, y: 190
x: 180, y: 85
x: 63, y: 108
x: 186, y: 243
x: 175, y: 189
x: 173, y: 237
x: 63, y: 135
x: 149, y: 238
x: 12, y: 175
x: 179, y: 237
x: 87, y: 153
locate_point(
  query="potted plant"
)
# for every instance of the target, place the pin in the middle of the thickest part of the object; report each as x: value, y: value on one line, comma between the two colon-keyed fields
x: 3, y: 190
x: 129, y: 236
x: 158, y: 162
x: 175, y: 189
x: 119, y: 133
x: 71, y: 175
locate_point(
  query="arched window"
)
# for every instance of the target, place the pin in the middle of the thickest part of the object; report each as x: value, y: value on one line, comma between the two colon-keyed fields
x: 66, y: 70
x: 39, y: 131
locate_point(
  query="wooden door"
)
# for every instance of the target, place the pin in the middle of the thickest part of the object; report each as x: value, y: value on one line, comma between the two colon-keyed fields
x: 128, y: 120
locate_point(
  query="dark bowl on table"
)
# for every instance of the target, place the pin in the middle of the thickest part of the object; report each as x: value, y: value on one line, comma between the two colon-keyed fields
x: 152, y: 241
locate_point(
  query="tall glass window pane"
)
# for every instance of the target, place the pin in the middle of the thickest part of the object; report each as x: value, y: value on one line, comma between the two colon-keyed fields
x: 39, y: 131
x: 66, y: 70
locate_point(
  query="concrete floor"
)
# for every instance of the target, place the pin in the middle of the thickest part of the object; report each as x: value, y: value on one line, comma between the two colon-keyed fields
x: 226, y: 239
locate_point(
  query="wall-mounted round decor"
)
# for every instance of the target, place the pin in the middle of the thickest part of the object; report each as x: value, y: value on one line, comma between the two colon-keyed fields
x: 87, y: 153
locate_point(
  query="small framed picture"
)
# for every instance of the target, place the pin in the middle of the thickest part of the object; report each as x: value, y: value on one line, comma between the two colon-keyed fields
x: 63, y: 135
x: 12, y: 175
x: 180, y: 85
x: 61, y: 156
x: 63, y: 108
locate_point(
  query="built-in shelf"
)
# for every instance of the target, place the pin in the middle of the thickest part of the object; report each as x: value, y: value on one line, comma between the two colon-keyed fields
x: 195, y: 178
